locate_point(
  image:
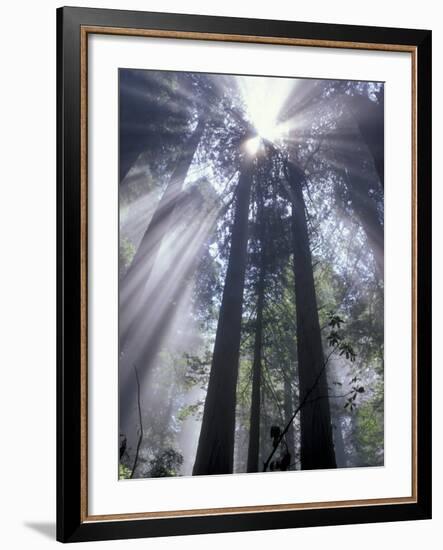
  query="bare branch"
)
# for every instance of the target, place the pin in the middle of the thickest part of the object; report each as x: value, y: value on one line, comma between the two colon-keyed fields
x: 302, y: 403
x: 140, y: 437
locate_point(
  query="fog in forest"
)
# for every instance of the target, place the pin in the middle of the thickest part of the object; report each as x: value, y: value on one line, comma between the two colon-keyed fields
x: 251, y: 264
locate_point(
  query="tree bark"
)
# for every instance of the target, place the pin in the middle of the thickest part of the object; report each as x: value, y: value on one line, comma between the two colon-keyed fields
x: 254, y: 424
x: 216, y: 443
x: 317, y: 447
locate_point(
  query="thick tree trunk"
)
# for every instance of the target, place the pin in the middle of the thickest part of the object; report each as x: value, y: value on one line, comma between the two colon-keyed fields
x: 132, y: 297
x: 216, y: 443
x: 254, y: 424
x: 317, y: 448
x: 366, y: 210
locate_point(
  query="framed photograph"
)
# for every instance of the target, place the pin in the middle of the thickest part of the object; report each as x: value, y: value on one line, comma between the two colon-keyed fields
x: 244, y: 274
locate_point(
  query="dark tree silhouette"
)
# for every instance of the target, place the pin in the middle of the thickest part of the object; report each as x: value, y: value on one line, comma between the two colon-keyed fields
x: 288, y: 407
x: 216, y: 443
x: 317, y: 448
x: 254, y: 424
x: 228, y: 283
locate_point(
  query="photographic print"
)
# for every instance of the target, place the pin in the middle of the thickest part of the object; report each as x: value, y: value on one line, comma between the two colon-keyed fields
x: 222, y: 320
x: 251, y: 274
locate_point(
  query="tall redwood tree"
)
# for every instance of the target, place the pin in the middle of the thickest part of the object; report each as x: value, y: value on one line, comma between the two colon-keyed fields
x: 317, y: 447
x: 215, y: 449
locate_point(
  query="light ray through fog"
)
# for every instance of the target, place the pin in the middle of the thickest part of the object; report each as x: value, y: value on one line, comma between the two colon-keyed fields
x: 264, y: 97
x: 170, y: 305
x: 161, y: 297
x: 178, y: 254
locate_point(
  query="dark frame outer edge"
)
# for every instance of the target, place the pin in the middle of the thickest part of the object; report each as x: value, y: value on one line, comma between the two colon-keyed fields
x: 69, y: 525
x: 68, y: 276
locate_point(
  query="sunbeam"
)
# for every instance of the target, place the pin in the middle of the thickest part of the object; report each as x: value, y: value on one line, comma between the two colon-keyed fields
x: 264, y: 98
x: 251, y: 237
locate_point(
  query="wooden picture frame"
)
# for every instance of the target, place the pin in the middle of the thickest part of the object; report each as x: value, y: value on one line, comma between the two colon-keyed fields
x: 74, y: 25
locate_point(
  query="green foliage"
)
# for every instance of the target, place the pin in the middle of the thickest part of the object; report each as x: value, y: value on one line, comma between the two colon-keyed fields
x: 369, y: 432
x: 197, y: 369
x: 347, y: 350
x: 126, y: 254
x: 335, y: 320
x: 194, y: 409
x: 356, y: 389
x: 195, y: 375
x: 350, y: 300
x: 123, y: 472
x: 136, y: 187
x: 336, y: 339
x: 166, y: 464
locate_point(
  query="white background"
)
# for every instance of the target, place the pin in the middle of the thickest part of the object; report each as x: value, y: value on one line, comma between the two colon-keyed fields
x: 27, y: 229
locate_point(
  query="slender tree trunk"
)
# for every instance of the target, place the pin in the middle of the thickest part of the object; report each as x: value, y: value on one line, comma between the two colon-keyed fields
x: 317, y: 448
x: 140, y: 421
x: 215, y: 449
x: 133, y: 287
x: 254, y: 424
x: 366, y: 210
x: 264, y: 426
x: 289, y: 411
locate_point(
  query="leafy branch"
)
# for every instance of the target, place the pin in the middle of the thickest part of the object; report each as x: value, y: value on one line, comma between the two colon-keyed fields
x: 335, y: 340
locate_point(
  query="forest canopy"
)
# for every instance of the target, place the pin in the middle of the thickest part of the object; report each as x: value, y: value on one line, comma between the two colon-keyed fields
x: 251, y: 265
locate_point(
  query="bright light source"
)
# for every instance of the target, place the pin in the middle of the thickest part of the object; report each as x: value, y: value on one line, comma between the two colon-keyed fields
x: 264, y: 98
x: 267, y: 130
x: 253, y: 145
